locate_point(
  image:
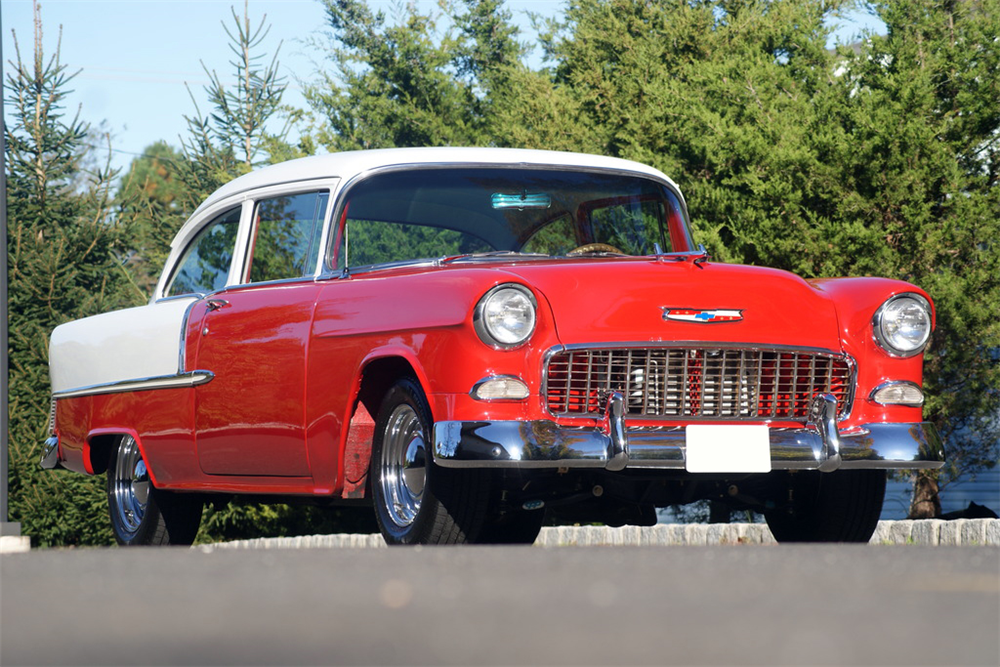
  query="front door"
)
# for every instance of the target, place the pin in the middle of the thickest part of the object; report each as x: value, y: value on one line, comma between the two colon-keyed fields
x: 254, y: 338
x: 249, y: 418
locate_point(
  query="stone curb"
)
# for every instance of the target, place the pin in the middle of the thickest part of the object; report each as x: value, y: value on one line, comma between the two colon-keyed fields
x: 14, y: 544
x: 932, y: 532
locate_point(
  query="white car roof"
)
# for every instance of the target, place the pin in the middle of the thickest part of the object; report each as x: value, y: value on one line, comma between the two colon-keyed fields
x: 346, y: 165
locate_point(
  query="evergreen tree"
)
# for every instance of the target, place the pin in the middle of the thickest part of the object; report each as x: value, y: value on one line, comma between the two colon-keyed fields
x: 65, y: 261
x: 159, y: 201
x: 236, y: 135
x: 408, y: 82
x: 917, y: 147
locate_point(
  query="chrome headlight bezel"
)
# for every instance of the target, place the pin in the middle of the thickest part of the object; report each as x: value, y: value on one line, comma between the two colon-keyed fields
x: 885, y: 325
x: 518, y: 303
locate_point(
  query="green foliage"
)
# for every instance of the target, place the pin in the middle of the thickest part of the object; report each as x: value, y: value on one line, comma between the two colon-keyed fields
x: 876, y: 160
x: 239, y: 520
x: 405, y: 83
x: 235, y: 136
x: 158, y: 201
x: 65, y: 250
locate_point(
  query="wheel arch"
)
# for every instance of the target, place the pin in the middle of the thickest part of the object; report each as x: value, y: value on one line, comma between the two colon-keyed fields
x: 377, y: 376
x: 99, y: 444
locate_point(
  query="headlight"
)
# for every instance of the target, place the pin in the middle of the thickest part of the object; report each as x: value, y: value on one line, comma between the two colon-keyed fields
x: 902, y: 325
x: 505, y: 316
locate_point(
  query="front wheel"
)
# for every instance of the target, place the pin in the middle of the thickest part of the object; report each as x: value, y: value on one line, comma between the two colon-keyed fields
x: 140, y: 513
x: 417, y: 502
x: 841, y: 506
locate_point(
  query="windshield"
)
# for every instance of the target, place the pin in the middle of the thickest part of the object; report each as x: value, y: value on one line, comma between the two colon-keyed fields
x: 401, y: 216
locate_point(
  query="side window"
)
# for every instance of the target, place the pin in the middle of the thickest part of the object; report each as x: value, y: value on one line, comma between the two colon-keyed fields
x: 286, y: 236
x: 205, y: 265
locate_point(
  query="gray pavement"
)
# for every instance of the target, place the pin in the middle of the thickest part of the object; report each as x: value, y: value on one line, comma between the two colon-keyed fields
x: 694, y: 605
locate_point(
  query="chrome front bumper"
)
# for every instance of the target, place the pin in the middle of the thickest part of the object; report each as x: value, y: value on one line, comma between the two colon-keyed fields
x: 613, y: 446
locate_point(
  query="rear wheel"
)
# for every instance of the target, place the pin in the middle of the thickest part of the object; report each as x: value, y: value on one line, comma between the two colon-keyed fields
x: 140, y: 513
x: 417, y: 502
x: 842, y: 506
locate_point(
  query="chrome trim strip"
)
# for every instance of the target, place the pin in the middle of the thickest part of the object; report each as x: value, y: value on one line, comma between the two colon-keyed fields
x: 179, y: 380
x: 545, y: 444
x: 181, y: 354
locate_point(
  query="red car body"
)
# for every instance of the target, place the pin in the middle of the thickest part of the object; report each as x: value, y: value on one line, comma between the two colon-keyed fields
x: 280, y: 383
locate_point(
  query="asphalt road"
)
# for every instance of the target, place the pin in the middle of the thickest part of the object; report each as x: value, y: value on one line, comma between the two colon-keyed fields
x: 729, y: 605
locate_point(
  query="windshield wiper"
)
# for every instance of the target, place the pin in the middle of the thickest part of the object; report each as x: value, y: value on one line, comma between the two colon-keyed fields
x: 494, y: 254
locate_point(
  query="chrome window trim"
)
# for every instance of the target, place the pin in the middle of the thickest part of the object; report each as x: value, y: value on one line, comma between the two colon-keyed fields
x: 330, y: 269
x: 172, y: 264
x: 179, y: 380
x: 241, y: 279
x: 551, y: 352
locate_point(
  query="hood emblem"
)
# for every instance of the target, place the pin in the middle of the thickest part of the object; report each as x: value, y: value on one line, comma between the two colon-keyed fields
x: 702, y: 316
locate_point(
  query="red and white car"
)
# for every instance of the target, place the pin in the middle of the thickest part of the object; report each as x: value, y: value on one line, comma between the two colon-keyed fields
x: 475, y: 339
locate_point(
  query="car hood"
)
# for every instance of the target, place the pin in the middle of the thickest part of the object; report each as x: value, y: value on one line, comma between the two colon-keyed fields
x: 623, y: 300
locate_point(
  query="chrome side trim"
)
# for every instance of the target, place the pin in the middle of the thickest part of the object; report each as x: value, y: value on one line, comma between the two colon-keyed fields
x: 191, y: 379
x: 545, y: 444
x: 182, y: 350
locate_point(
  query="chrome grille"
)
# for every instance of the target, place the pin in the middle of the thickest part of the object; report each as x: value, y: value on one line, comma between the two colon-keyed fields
x: 696, y: 383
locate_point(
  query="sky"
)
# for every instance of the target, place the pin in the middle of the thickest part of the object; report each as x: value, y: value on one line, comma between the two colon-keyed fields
x: 135, y: 56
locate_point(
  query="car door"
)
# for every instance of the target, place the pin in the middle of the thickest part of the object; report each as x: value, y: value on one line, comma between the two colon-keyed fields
x: 249, y: 420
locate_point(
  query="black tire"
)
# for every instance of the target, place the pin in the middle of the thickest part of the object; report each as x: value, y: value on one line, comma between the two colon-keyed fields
x: 417, y: 502
x: 142, y: 515
x: 842, y: 506
x: 521, y: 527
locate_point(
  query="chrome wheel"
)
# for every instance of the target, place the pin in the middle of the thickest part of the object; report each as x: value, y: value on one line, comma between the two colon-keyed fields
x: 403, y: 463
x: 130, y: 485
x: 415, y: 501
x: 140, y: 513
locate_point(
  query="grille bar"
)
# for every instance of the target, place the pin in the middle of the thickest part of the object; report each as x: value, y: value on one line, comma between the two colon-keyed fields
x: 697, y: 383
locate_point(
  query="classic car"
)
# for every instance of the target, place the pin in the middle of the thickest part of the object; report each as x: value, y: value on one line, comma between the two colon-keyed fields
x: 476, y: 341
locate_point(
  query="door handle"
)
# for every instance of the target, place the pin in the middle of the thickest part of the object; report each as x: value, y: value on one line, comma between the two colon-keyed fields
x: 216, y: 304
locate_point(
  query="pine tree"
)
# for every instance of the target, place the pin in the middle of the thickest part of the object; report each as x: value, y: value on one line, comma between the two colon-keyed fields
x: 64, y: 261
x: 236, y: 135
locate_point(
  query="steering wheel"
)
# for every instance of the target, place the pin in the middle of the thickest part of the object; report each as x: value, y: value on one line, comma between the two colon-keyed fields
x: 595, y: 247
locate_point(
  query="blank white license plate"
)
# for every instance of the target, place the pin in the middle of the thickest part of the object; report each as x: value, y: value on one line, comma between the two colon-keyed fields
x: 728, y: 448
